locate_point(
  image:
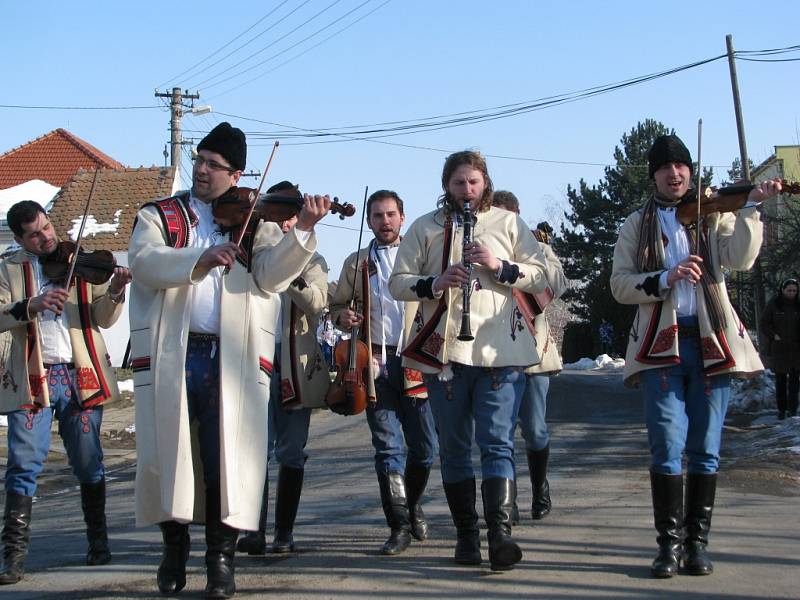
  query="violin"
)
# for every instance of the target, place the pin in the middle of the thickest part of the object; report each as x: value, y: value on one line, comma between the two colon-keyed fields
x: 725, y: 199
x: 231, y: 209
x: 347, y: 394
x: 95, y: 267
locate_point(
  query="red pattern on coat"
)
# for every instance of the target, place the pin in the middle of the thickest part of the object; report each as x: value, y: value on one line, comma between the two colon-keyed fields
x: 710, y: 350
x: 664, y: 340
x: 87, y: 379
x: 433, y: 344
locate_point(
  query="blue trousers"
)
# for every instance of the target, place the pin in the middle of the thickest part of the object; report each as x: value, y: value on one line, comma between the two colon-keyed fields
x: 29, y: 436
x: 402, y: 428
x: 533, y: 411
x: 287, y: 434
x: 202, y: 394
x: 685, y: 410
x: 480, y: 401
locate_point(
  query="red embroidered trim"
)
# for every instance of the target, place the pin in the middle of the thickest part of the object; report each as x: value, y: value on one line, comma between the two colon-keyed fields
x: 710, y: 350
x: 287, y: 391
x: 36, y: 383
x: 412, y: 375
x: 265, y: 366
x: 86, y: 379
x: 664, y: 340
x: 433, y: 344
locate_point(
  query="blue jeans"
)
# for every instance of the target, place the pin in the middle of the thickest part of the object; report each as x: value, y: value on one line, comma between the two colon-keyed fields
x: 29, y: 436
x: 480, y: 400
x: 533, y: 411
x: 288, y: 430
x: 402, y: 428
x: 202, y: 395
x: 685, y: 409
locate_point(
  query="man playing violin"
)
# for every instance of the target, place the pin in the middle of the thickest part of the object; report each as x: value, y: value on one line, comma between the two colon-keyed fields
x: 299, y: 383
x: 203, y: 316
x: 402, y: 427
x: 58, y: 366
x: 685, y: 345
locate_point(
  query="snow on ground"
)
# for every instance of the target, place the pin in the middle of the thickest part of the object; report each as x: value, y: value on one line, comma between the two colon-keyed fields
x: 753, y: 395
x: 3, y: 421
x: 126, y: 385
x: 604, y: 361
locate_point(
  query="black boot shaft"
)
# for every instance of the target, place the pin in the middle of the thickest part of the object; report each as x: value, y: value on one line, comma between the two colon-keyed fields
x: 220, y: 548
x: 498, y: 506
x: 416, y: 481
x: 540, y: 487
x: 93, y: 503
x: 701, y: 492
x: 395, y: 506
x: 461, y: 497
x: 667, y: 495
x: 290, y: 487
x: 171, y: 576
x: 16, y: 537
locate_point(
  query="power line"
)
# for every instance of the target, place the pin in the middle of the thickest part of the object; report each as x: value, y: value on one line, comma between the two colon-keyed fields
x: 306, y: 51
x: 280, y: 39
x: 221, y: 48
x: 27, y: 107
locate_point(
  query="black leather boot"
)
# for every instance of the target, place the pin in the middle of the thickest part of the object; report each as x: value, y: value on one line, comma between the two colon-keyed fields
x: 461, y: 500
x: 93, y: 503
x: 220, y: 549
x: 700, y: 493
x: 395, y: 507
x: 255, y: 542
x: 667, y: 493
x: 290, y: 486
x: 540, y: 487
x: 498, y: 502
x: 16, y: 536
x: 416, y: 480
x: 171, y: 575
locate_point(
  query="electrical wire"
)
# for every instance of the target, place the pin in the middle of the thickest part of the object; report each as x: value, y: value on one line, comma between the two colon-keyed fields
x: 279, y: 39
x: 221, y: 48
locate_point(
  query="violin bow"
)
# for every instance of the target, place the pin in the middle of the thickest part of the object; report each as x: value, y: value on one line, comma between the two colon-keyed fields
x: 74, y: 261
x: 699, y: 183
x: 358, y: 248
x: 253, y: 201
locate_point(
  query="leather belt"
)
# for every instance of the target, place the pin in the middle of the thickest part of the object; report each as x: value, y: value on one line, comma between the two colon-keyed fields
x: 390, y: 350
x: 203, y: 337
x: 69, y: 365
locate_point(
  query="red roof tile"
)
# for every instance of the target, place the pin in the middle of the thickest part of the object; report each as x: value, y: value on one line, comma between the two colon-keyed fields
x: 117, y: 197
x: 54, y: 157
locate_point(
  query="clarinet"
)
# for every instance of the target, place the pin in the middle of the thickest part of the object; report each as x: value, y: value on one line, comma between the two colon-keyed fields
x: 465, y: 335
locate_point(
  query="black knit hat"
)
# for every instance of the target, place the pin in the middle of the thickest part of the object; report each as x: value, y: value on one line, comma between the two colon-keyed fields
x: 668, y: 149
x: 229, y: 142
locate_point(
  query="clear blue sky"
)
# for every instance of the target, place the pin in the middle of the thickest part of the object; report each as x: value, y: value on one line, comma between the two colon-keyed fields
x: 408, y: 60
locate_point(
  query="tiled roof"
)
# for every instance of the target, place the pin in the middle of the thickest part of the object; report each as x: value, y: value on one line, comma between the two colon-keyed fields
x: 117, y: 197
x: 54, y: 157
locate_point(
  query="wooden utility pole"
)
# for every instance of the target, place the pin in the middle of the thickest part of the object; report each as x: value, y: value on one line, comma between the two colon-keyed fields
x: 758, y: 278
x: 176, y: 109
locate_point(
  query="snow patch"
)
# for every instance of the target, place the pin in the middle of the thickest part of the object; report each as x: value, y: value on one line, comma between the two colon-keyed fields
x: 3, y: 421
x: 92, y: 227
x: 602, y: 362
x: 126, y: 385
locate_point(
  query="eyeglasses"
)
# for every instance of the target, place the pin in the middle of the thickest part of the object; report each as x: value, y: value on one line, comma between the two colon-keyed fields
x: 212, y: 165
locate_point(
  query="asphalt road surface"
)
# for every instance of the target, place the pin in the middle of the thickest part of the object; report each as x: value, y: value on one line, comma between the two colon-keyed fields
x: 597, y: 543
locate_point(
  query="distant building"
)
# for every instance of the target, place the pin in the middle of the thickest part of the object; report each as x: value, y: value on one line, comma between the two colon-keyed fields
x: 783, y: 164
x: 50, y: 160
x: 117, y: 197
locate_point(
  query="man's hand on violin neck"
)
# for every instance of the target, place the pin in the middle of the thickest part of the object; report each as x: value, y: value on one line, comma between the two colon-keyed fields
x: 223, y: 255
x: 314, y: 209
x: 53, y: 299
x: 688, y: 269
x: 119, y: 280
x: 349, y: 319
x: 764, y: 190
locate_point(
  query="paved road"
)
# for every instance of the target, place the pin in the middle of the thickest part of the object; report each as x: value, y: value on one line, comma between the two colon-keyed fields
x: 597, y: 543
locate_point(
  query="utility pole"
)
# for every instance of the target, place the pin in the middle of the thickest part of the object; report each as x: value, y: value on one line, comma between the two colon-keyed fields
x: 176, y: 107
x: 758, y: 278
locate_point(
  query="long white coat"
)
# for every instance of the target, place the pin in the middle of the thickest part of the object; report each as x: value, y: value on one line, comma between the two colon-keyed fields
x: 169, y: 480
